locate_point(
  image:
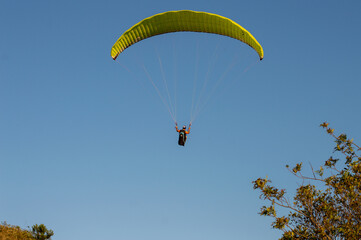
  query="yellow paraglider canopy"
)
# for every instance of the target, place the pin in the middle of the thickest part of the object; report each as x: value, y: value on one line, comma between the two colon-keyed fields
x: 184, y: 20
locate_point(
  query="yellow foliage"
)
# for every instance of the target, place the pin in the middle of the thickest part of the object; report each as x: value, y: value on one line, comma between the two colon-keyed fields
x: 9, y: 232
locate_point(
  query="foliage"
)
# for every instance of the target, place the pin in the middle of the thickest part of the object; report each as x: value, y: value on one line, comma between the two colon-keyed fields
x: 40, y: 232
x: 10, y: 232
x: 331, y: 213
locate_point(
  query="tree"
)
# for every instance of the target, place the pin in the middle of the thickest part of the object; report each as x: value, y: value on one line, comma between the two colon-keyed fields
x: 40, y: 232
x: 328, y: 209
x: 10, y: 232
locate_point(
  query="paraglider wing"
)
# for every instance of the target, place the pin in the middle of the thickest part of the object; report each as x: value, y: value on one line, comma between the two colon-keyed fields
x: 184, y: 20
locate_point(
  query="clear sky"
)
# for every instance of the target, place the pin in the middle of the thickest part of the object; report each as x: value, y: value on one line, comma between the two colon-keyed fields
x: 88, y: 148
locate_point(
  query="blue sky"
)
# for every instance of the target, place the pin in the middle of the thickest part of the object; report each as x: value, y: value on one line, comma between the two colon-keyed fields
x: 89, y: 149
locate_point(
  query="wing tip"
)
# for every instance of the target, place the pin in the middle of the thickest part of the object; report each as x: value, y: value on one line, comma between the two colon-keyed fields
x: 114, y: 56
